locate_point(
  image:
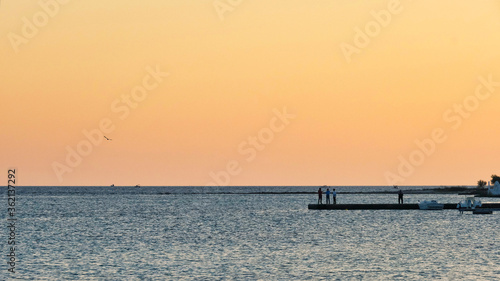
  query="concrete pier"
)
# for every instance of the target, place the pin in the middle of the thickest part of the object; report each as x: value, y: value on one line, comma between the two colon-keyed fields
x: 448, y: 206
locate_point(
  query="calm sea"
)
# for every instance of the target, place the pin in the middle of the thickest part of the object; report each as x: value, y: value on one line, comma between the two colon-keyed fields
x: 193, y: 233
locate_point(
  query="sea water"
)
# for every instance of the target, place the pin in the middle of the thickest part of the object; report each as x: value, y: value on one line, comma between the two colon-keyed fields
x: 192, y: 233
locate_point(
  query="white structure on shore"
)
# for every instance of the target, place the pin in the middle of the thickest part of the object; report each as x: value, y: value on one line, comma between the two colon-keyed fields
x: 494, y: 190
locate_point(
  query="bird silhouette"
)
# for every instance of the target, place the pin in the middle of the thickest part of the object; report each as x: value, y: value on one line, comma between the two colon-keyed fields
x: 107, y: 138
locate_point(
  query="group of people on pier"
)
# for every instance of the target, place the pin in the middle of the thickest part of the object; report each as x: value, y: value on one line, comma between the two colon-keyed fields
x: 327, y: 194
x: 334, y: 196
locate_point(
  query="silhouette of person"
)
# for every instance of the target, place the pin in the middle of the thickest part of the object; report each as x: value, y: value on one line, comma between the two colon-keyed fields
x: 320, y: 196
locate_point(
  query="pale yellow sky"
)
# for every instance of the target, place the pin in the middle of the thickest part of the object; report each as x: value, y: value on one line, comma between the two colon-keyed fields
x: 234, y: 72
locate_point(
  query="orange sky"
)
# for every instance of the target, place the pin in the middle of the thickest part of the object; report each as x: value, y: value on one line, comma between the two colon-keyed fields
x: 355, y: 113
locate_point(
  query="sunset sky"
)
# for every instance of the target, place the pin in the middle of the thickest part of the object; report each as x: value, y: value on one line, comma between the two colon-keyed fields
x: 260, y: 92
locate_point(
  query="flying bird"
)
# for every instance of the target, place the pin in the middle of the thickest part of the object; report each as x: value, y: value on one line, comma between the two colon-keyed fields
x: 107, y: 138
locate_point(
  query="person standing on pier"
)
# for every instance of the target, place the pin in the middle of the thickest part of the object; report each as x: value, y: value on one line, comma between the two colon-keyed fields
x: 400, y: 197
x: 320, y: 196
x: 334, y: 196
x: 327, y: 196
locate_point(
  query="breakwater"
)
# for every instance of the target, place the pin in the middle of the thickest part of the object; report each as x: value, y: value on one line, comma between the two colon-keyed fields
x: 387, y: 206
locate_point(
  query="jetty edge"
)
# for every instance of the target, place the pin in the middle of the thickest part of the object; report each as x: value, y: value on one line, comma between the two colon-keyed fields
x: 448, y: 206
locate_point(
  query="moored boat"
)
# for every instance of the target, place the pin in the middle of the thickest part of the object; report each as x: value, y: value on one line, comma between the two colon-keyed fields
x: 469, y: 204
x: 482, y: 211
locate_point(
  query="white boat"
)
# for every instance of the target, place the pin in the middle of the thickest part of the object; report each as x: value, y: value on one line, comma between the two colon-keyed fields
x: 470, y: 203
x: 430, y: 205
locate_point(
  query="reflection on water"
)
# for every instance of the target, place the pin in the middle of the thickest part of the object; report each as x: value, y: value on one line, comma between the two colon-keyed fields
x: 127, y: 236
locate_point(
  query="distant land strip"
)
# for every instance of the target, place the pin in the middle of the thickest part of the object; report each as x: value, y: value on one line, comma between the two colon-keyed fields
x: 442, y: 190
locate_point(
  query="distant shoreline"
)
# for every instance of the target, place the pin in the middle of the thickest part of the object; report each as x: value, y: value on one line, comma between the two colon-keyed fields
x: 440, y: 190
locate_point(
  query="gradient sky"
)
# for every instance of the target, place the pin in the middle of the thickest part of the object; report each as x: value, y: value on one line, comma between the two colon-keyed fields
x: 230, y: 70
